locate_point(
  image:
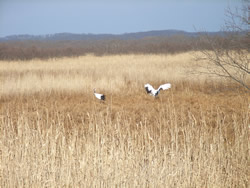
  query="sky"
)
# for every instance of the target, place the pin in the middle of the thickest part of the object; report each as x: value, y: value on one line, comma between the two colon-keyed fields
x: 40, y: 17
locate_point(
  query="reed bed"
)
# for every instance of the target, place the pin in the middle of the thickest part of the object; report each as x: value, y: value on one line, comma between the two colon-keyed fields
x: 54, y: 133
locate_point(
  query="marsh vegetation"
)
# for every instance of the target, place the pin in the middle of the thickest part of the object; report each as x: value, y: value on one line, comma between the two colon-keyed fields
x: 54, y: 132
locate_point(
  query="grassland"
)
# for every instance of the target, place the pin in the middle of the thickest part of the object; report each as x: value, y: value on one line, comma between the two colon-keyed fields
x: 54, y: 133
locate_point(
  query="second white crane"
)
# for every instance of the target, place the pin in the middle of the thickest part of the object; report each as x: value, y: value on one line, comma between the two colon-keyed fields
x: 99, y: 96
x: 155, y: 92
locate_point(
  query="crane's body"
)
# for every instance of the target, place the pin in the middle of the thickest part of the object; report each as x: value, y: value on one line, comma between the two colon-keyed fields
x: 155, y: 92
x: 99, y: 96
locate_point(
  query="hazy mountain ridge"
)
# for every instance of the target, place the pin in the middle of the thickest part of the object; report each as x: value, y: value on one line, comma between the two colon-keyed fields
x: 125, y: 36
x: 27, y: 47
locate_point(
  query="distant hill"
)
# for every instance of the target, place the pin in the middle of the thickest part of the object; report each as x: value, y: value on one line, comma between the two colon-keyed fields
x: 25, y: 47
x: 125, y: 36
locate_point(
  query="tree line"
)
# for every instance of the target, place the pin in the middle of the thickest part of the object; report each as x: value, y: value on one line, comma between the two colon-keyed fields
x: 44, y: 49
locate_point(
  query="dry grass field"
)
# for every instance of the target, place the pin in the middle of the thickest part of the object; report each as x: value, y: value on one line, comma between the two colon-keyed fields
x: 54, y: 133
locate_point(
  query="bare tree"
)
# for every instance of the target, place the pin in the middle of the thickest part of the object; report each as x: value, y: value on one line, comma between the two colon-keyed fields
x: 227, y: 56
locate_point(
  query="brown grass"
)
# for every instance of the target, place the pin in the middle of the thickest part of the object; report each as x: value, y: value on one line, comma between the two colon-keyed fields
x: 54, y: 133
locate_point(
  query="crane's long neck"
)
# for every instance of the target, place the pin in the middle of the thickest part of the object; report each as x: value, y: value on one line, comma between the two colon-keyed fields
x: 158, y: 92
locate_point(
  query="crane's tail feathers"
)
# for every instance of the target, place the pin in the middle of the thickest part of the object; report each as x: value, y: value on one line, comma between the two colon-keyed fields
x: 103, y: 97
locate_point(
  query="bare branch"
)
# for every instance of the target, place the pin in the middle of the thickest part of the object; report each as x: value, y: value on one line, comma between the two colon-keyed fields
x: 228, y: 56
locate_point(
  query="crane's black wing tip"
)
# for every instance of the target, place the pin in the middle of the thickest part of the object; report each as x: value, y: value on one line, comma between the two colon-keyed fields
x: 103, y: 97
x: 147, y: 90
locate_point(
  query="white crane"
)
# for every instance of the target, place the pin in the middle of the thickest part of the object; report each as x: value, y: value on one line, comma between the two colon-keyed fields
x: 150, y: 90
x: 99, y: 96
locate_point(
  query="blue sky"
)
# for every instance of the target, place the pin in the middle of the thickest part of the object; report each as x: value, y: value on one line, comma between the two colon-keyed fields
x: 38, y: 17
